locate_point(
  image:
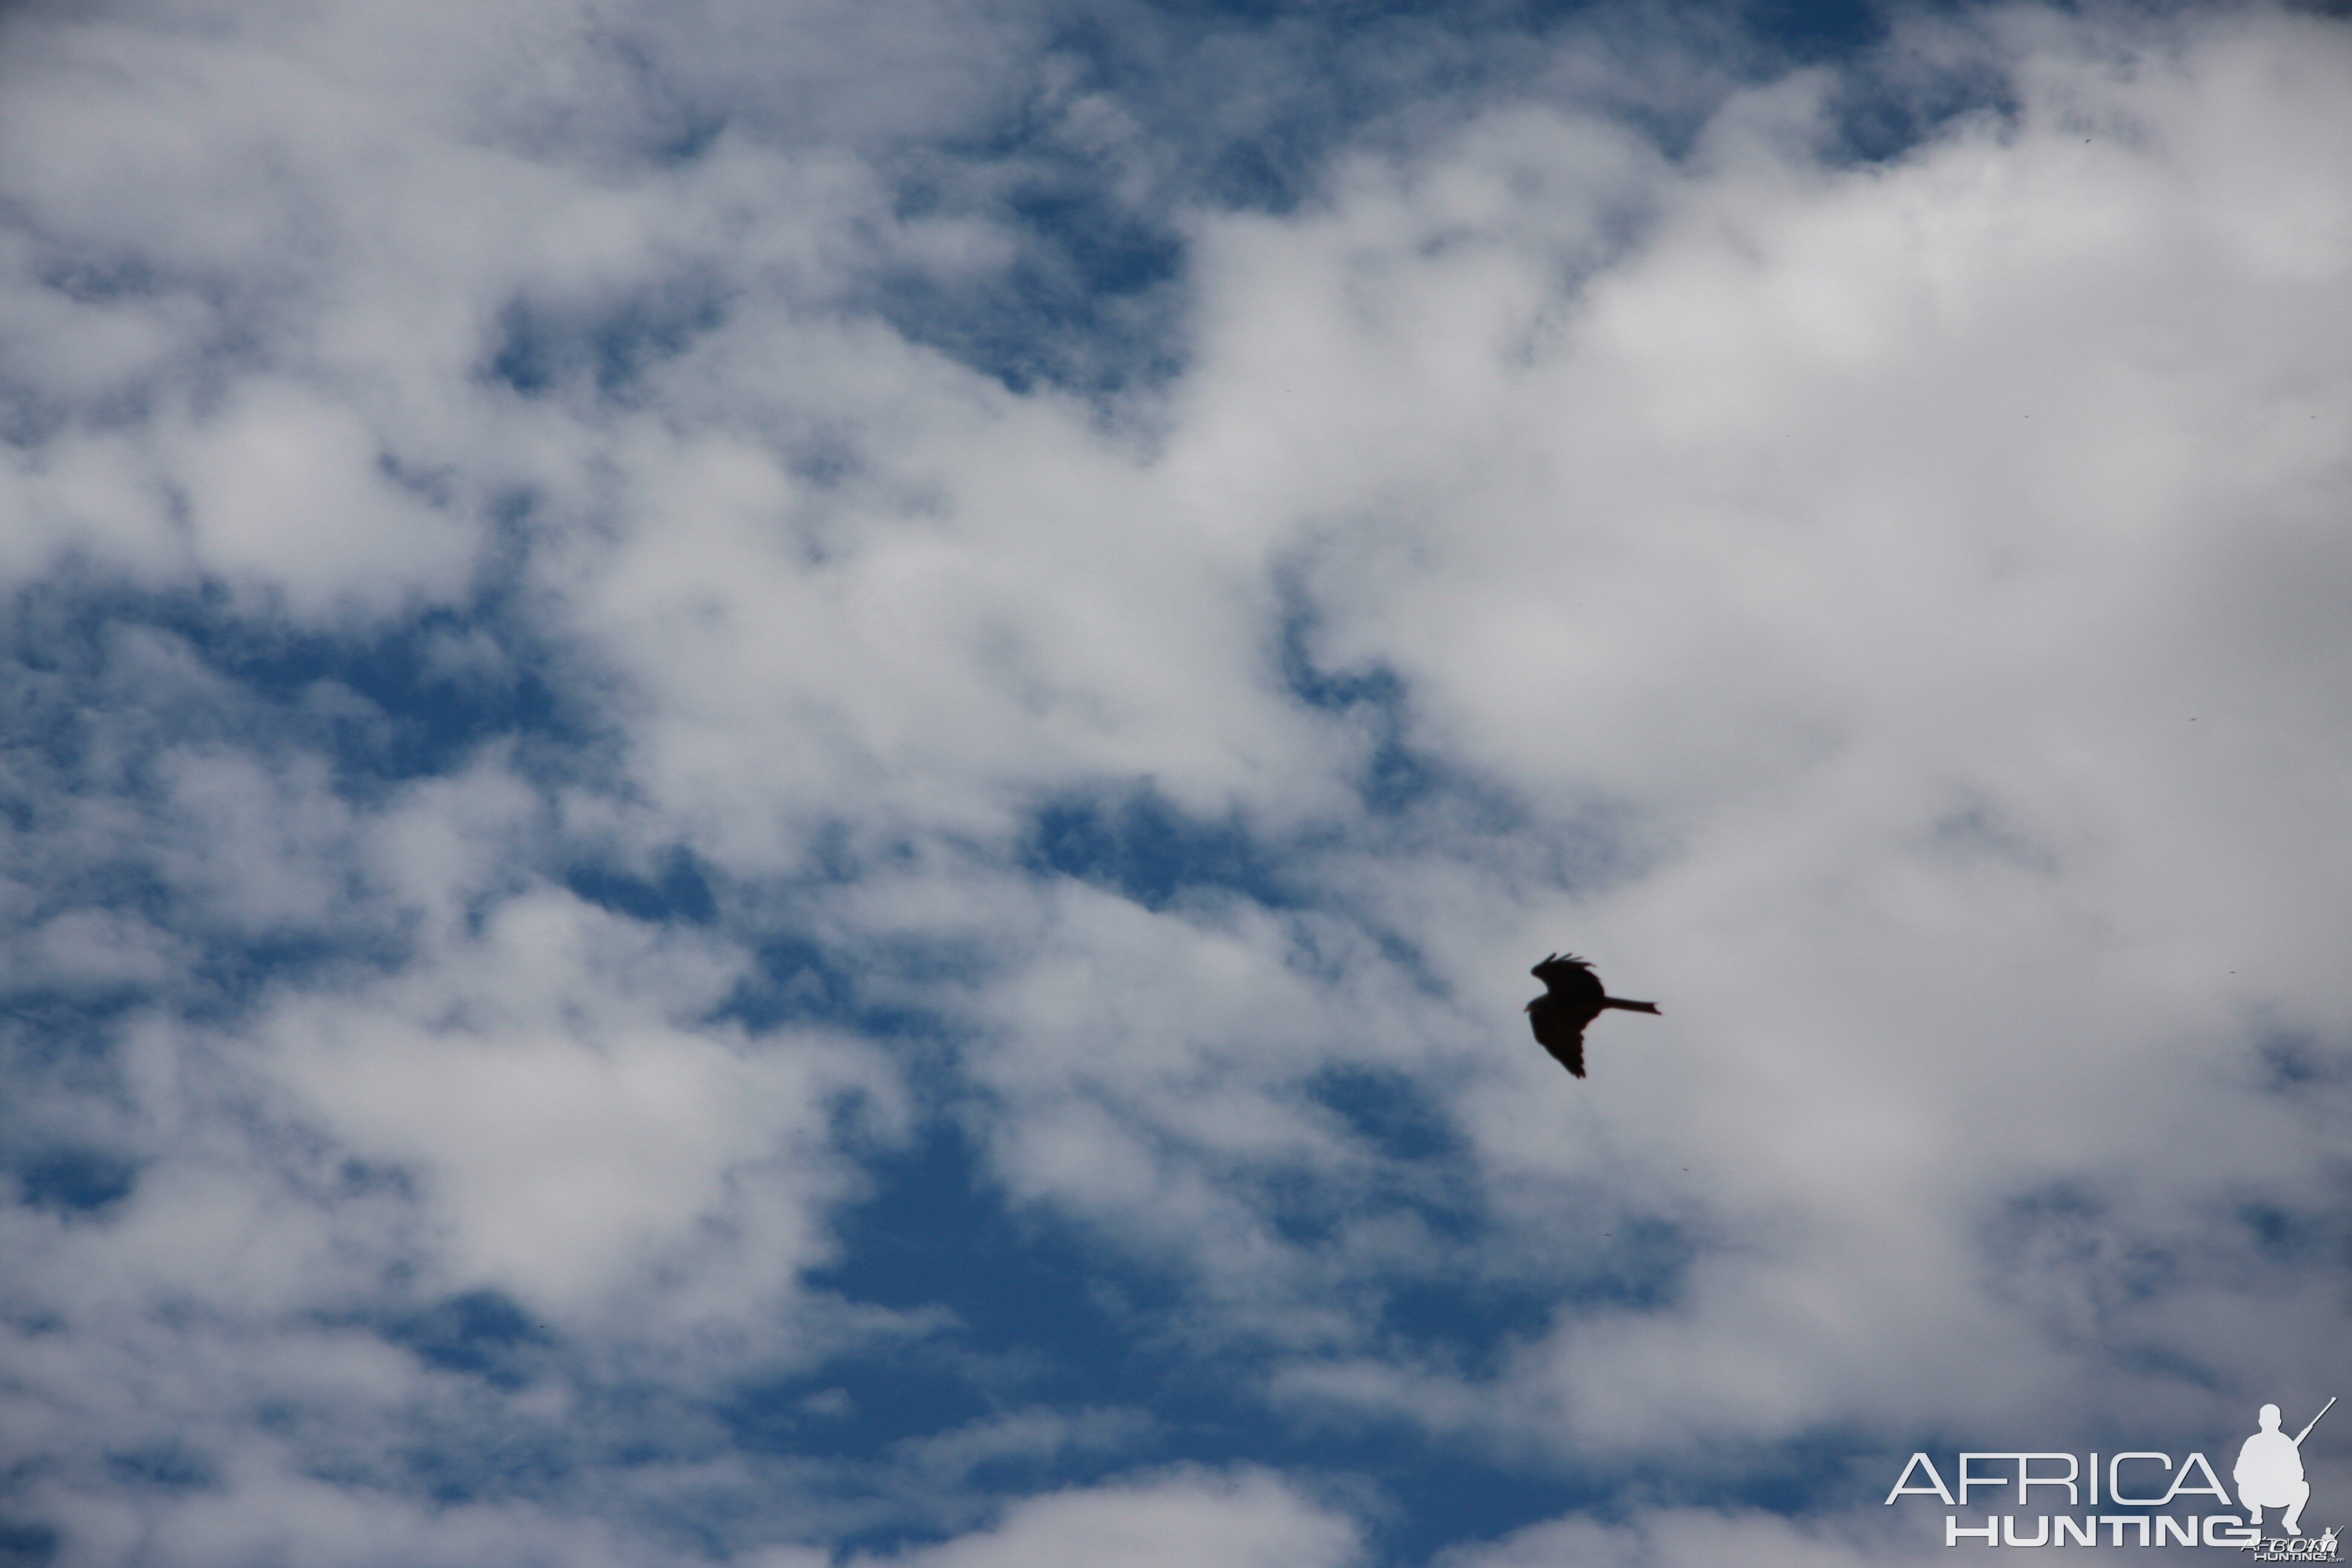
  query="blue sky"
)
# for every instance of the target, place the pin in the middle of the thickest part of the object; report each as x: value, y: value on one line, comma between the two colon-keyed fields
x: 777, y: 777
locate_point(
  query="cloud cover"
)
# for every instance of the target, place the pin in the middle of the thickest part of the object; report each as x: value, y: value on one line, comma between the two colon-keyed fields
x: 777, y: 775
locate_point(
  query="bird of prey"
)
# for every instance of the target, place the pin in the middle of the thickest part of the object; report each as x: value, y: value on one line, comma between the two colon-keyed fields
x: 1572, y: 999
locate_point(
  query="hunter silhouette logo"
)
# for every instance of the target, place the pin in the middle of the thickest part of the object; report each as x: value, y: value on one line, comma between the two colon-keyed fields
x: 2269, y: 1474
x: 2270, y: 1471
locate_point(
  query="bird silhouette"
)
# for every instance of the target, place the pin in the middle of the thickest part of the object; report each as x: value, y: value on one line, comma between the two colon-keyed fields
x: 1572, y: 999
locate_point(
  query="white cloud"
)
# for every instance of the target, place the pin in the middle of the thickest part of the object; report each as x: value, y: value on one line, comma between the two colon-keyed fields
x: 569, y: 1141
x: 1675, y: 1538
x: 272, y: 1511
x: 1187, y: 1519
x: 1021, y: 1436
x: 288, y: 488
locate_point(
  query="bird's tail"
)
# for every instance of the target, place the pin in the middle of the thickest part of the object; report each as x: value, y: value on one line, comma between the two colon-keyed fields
x: 1629, y: 1006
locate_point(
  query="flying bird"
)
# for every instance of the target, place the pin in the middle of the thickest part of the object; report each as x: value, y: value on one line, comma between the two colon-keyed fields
x: 1572, y: 999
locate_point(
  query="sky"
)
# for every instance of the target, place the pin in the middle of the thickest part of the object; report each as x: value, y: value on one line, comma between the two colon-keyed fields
x: 778, y: 775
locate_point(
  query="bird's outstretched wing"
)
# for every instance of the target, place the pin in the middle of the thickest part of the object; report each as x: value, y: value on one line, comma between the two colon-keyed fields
x: 1570, y: 980
x: 1560, y: 1031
